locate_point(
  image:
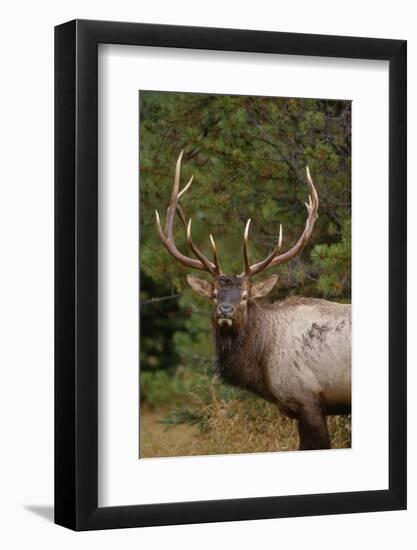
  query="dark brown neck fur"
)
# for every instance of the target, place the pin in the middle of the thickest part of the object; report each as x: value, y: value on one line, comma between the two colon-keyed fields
x: 240, y: 354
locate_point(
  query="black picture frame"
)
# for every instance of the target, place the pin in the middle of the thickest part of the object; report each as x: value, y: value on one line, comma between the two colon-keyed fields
x: 76, y: 272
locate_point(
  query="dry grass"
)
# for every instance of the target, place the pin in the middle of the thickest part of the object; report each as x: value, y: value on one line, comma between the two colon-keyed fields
x: 226, y: 426
x: 159, y: 440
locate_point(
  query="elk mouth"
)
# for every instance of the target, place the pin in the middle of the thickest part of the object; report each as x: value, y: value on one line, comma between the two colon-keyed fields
x: 224, y: 322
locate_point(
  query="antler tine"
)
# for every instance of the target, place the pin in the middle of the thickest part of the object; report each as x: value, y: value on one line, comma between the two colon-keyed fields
x: 256, y: 268
x: 173, y: 250
x: 181, y: 215
x: 167, y: 237
x: 197, y: 252
x: 312, y: 208
x: 209, y: 265
x: 245, y: 247
x: 190, y: 181
x: 172, y: 205
x: 215, y: 255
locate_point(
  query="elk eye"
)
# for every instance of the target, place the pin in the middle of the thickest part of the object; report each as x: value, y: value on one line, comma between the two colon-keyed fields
x: 244, y: 297
x: 214, y: 295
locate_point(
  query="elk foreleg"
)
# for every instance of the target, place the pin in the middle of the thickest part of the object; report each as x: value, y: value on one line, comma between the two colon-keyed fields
x: 312, y: 427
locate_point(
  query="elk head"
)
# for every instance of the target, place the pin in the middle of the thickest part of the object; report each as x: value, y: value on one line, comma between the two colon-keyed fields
x: 230, y: 294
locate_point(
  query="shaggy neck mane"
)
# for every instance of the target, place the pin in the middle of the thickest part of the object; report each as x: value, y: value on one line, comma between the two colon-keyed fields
x: 240, y: 354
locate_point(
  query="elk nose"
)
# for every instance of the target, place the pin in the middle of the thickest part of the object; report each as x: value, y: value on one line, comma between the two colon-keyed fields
x: 225, y: 310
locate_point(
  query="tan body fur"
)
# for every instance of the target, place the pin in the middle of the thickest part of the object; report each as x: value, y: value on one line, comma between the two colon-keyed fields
x: 310, y: 352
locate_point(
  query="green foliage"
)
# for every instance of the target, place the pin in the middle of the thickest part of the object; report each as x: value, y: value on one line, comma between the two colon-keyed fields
x: 166, y: 387
x: 161, y: 317
x: 333, y: 265
x: 182, y: 416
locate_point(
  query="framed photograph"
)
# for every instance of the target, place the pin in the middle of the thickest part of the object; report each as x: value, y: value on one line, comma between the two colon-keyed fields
x: 230, y: 254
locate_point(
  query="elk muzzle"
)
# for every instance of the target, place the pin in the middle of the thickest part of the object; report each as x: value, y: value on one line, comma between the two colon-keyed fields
x: 225, y: 312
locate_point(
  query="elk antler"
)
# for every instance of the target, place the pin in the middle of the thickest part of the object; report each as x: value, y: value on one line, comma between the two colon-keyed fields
x: 167, y: 237
x: 273, y: 259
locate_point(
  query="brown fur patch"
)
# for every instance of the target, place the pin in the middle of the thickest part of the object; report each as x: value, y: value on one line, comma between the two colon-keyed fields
x: 241, y: 355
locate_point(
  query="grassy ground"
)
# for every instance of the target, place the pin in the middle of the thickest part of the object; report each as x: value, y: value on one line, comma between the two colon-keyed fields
x: 194, y: 414
x: 157, y: 439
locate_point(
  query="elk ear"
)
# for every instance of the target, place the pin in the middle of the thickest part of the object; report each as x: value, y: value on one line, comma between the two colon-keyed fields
x: 200, y: 286
x: 262, y: 288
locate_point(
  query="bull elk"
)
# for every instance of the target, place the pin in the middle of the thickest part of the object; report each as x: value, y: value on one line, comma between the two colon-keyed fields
x: 296, y: 352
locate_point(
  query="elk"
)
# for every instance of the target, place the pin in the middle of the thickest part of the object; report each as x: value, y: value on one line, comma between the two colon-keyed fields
x: 295, y: 352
